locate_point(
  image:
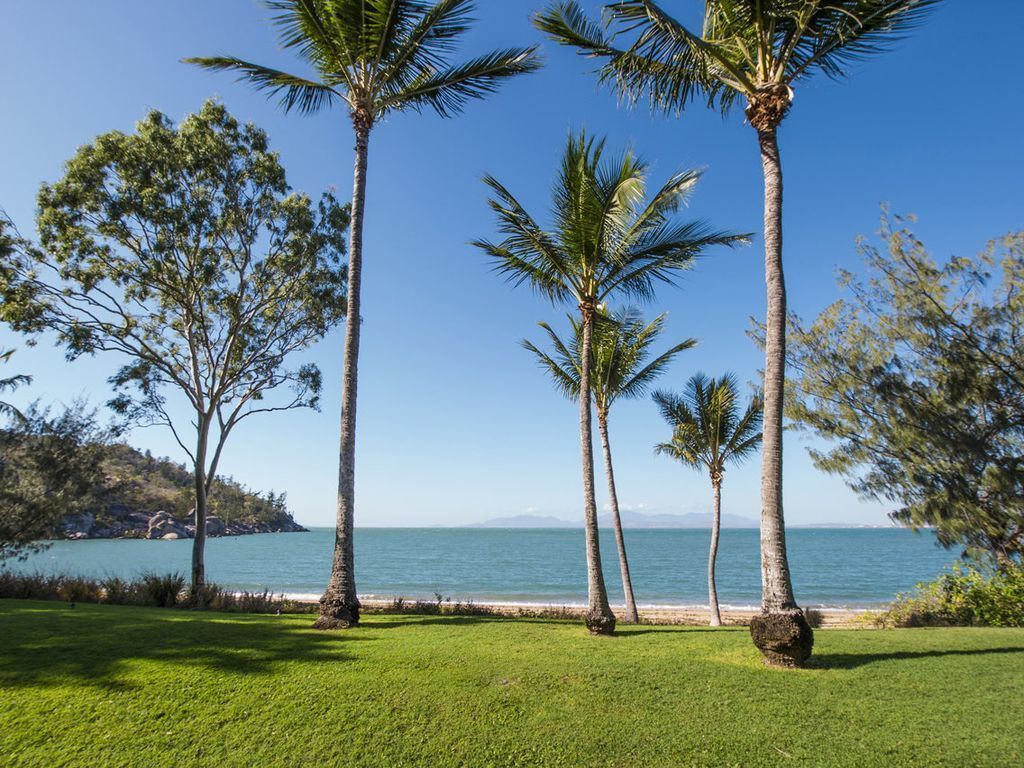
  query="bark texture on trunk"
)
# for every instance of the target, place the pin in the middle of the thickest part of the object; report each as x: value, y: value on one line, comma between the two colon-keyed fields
x: 716, y: 523
x: 599, y: 618
x: 199, y: 542
x: 613, y: 499
x: 778, y: 606
x: 339, y: 606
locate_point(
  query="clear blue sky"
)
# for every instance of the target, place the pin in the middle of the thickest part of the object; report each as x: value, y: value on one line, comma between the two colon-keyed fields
x: 456, y: 424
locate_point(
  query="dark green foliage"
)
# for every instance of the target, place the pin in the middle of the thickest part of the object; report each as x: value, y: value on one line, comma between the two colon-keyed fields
x: 967, y: 596
x: 162, y: 590
x: 49, y: 466
x: 157, y: 590
x: 148, y: 484
x: 916, y: 379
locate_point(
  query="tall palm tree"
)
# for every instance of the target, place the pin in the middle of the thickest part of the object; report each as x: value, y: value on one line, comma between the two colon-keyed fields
x: 709, y: 432
x: 375, y: 58
x: 751, y: 51
x: 621, y: 345
x: 605, y: 241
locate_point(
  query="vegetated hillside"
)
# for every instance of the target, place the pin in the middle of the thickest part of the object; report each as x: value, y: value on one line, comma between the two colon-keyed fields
x: 138, y: 485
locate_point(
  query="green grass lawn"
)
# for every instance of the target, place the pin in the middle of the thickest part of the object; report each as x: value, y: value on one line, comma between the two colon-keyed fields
x: 123, y: 686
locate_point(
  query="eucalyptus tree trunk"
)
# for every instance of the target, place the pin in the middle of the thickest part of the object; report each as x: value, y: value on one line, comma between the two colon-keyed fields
x: 599, y: 617
x: 613, y: 500
x: 716, y: 526
x: 339, y: 606
x: 199, y: 513
x: 781, y: 632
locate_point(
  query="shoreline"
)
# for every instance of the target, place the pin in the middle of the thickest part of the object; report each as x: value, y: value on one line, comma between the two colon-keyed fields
x: 685, y: 615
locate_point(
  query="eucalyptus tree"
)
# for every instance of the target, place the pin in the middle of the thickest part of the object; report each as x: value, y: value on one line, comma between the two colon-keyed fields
x: 182, y: 251
x: 607, y: 240
x: 621, y: 346
x: 752, y: 52
x: 374, y: 58
x: 708, y: 432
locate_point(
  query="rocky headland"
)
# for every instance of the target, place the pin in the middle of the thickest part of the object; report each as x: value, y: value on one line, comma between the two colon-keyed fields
x: 122, y: 522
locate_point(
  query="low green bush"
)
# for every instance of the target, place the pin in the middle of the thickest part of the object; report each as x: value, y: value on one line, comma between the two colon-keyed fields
x: 967, y: 596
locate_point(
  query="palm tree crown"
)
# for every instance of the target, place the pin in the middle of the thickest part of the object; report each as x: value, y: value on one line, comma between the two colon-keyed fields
x: 621, y: 345
x: 708, y: 430
x: 605, y: 238
x: 755, y: 49
x: 377, y: 56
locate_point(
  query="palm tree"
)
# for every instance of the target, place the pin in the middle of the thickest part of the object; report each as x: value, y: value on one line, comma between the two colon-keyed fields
x: 621, y: 344
x: 375, y: 58
x: 708, y: 432
x: 605, y: 241
x: 752, y: 51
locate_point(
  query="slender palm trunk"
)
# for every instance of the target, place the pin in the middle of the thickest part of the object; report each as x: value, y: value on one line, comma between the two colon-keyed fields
x: 781, y: 632
x: 599, y: 619
x: 620, y: 541
x: 777, y: 592
x: 339, y: 606
x: 716, y: 525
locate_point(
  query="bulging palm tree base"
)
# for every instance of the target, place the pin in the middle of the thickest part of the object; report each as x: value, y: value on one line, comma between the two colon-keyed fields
x: 600, y: 623
x: 337, y: 613
x: 784, y: 637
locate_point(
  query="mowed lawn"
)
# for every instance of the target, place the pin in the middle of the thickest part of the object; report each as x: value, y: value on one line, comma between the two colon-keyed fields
x: 123, y: 686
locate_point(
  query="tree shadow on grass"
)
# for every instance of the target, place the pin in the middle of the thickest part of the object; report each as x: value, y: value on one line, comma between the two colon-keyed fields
x: 389, y: 621
x: 854, y: 660
x: 628, y: 630
x: 52, y: 644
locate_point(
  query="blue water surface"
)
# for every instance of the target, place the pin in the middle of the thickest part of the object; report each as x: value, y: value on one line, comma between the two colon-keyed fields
x: 831, y: 567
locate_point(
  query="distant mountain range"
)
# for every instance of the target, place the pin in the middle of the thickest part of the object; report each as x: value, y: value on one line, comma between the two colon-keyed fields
x: 629, y: 520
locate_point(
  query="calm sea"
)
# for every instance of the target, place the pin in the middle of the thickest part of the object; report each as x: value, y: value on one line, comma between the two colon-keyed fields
x: 831, y: 567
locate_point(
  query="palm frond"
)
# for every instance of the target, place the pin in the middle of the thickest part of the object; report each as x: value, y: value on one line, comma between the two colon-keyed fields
x: 706, y: 423
x: 306, y: 96
x: 447, y: 91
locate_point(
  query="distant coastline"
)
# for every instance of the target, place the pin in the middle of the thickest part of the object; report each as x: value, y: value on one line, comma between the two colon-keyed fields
x: 638, y: 521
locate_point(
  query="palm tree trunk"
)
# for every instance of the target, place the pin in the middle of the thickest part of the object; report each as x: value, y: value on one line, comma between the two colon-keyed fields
x: 599, y: 618
x: 339, y: 606
x: 782, y: 633
x: 613, y: 499
x: 716, y: 524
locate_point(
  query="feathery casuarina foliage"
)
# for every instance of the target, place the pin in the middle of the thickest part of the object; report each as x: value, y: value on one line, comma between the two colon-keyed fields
x: 917, y: 381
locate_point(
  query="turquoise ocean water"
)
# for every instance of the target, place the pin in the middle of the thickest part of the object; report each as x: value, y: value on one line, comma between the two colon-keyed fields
x: 831, y: 567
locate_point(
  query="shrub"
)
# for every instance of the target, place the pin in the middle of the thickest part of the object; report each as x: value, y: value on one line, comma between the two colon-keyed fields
x: 118, y: 591
x: 161, y: 590
x: 965, y: 597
